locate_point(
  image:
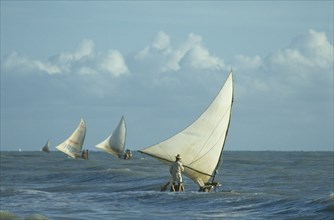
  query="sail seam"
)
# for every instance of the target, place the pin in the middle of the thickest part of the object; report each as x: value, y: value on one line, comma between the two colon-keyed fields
x: 209, y: 138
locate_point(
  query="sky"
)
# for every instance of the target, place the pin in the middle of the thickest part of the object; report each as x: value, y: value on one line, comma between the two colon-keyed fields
x: 160, y: 64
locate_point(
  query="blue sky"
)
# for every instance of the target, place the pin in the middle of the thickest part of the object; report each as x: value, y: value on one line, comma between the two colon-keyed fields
x: 160, y: 64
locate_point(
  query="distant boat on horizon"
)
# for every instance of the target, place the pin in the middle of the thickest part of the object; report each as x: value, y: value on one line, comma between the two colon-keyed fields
x: 46, y: 147
x: 72, y: 146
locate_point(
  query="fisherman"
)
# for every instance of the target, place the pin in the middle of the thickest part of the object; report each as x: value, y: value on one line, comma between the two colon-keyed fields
x: 86, y: 158
x: 127, y: 155
x: 176, y: 170
x: 84, y: 154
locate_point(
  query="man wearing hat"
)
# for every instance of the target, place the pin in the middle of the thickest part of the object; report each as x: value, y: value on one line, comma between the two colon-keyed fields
x: 175, y: 170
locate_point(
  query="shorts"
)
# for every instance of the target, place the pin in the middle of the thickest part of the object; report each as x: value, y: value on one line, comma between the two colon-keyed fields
x: 177, y: 178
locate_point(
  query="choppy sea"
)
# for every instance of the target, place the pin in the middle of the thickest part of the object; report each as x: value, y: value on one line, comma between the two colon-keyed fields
x: 255, y: 185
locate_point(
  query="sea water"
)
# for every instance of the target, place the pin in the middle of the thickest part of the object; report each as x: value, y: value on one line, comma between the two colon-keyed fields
x: 255, y: 185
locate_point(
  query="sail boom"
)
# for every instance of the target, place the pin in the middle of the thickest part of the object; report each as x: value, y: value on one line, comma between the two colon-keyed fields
x: 169, y: 162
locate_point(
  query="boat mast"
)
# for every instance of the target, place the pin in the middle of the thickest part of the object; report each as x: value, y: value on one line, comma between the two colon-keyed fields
x: 221, y: 152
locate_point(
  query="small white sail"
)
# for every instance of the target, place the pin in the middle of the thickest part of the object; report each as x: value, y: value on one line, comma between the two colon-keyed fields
x: 115, y: 143
x: 46, y: 147
x: 200, y: 144
x: 72, y: 146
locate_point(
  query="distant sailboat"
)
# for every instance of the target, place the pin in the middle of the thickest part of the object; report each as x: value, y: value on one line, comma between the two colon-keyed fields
x: 72, y: 146
x: 46, y: 147
x: 115, y: 143
x: 200, y: 144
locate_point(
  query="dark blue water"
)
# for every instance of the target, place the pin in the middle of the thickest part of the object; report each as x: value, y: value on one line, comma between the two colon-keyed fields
x: 255, y: 185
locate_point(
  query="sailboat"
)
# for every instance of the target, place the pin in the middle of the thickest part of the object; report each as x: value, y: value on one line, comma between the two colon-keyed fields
x: 46, y: 147
x: 72, y: 146
x: 115, y: 143
x: 201, y: 144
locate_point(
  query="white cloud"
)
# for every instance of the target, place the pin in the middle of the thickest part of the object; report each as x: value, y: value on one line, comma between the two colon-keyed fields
x: 47, y: 67
x: 307, y: 53
x: 87, y: 71
x: 288, y: 93
x: 161, y: 41
x: 24, y: 65
x: 82, y: 62
x: 114, y: 64
x: 85, y: 50
x: 199, y: 57
x: 68, y: 61
x: 190, y: 54
x: 244, y: 62
x: 14, y: 61
x: 315, y: 47
x: 308, y: 61
x: 158, y: 57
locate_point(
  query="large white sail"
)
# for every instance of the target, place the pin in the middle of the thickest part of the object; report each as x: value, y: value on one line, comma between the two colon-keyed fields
x: 200, y: 144
x: 72, y: 146
x: 115, y: 143
x: 46, y: 147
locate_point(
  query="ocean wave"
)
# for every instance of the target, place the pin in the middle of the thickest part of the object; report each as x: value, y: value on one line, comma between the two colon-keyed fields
x: 255, y: 185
